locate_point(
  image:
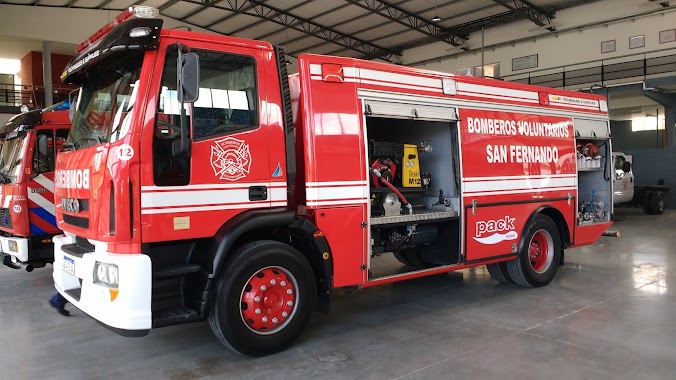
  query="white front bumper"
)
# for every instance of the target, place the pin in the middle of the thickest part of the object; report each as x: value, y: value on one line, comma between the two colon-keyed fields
x: 131, y: 310
x: 21, y: 253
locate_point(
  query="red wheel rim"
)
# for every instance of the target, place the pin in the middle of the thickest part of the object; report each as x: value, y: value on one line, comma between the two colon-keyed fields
x: 269, y: 300
x: 541, y: 251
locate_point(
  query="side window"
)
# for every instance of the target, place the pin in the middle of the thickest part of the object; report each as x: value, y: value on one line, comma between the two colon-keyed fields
x: 43, y: 155
x: 169, y: 170
x: 619, y: 162
x: 61, y: 137
x: 228, y: 97
x: 227, y: 103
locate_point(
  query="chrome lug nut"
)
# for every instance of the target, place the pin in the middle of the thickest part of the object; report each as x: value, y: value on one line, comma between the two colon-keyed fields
x: 273, y: 282
x: 263, y: 287
x: 283, y: 283
x: 264, y: 319
x: 289, y: 291
x: 285, y: 314
x: 257, y: 299
x: 257, y: 311
x: 275, y: 320
x: 290, y: 303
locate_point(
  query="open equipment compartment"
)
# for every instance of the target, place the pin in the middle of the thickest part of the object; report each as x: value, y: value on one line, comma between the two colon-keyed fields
x: 416, y: 220
x: 595, y: 171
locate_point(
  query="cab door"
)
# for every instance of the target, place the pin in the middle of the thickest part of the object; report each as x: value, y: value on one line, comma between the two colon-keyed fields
x: 623, y: 181
x: 236, y: 160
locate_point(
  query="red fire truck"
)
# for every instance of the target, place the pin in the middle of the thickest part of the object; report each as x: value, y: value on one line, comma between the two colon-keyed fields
x: 27, y: 221
x: 202, y: 182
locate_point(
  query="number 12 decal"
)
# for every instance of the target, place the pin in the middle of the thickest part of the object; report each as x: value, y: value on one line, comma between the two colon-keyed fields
x: 125, y: 152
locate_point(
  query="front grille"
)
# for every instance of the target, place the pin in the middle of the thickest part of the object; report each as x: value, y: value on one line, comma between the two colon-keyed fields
x: 84, y: 204
x: 84, y: 244
x: 6, y: 218
x: 76, y: 221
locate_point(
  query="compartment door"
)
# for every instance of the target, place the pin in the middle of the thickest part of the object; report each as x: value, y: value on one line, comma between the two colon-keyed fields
x: 407, y: 107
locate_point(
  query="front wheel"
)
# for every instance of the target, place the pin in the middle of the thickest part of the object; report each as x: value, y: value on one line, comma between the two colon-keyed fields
x: 264, y: 299
x: 539, y: 257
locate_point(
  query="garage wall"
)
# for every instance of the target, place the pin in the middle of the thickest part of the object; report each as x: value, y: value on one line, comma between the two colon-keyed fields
x: 568, y: 48
x: 624, y: 139
x: 651, y: 165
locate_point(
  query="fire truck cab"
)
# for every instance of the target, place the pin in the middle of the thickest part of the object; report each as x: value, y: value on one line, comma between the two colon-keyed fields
x: 30, y: 142
x: 202, y: 182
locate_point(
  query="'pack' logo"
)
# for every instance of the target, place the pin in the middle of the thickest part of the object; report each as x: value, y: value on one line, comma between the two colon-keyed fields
x: 500, y: 230
x: 230, y: 159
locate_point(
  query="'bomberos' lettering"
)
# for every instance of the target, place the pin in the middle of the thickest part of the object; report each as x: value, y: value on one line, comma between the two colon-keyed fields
x: 72, y: 179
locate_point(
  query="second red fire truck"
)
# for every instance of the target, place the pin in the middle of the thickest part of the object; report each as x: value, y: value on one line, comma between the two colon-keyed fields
x: 30, y: 142
x: 202, y: 182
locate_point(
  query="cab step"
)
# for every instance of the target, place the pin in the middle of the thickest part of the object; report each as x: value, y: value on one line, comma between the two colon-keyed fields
x: 176, y: 270
x: 174, y: 316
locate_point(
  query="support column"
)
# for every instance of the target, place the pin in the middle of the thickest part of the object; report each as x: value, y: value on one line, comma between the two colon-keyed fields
x: 47, y: 72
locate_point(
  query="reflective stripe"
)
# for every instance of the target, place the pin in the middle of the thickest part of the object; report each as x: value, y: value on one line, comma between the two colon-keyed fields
x: 518, y: 184
x: 42, y: 202
x: 45, y: 182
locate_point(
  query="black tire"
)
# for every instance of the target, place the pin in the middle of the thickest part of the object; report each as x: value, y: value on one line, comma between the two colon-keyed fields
x: 539, y: 271
x: 402, y: 256
x: 657, y: 203
x: 647, y: 208
x: 500, y: 273
x: 228, y: 311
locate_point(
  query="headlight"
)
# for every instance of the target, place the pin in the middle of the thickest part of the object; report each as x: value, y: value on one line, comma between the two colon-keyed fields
x: 106, y: 274
x: 13, y: 247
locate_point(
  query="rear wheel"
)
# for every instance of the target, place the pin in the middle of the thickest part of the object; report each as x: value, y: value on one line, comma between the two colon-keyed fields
x: 264, y: 299
x: 657, y: 203
x: 539, y: 257
x: 500, y: 273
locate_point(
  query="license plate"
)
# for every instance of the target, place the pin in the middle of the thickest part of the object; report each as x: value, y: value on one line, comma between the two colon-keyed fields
x: 69, y: 265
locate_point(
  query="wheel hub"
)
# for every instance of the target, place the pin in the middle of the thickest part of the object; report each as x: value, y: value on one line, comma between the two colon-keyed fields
x: 269, y: 300
x: 540, y: 251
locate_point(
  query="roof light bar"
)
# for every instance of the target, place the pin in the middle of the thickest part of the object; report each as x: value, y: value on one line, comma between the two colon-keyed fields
x: 135, y: 11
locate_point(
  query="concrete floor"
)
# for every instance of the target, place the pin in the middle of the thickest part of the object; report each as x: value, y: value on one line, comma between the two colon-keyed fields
x: 610, y: 314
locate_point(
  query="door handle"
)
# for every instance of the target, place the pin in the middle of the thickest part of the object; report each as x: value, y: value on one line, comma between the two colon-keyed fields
x: 258, y: 193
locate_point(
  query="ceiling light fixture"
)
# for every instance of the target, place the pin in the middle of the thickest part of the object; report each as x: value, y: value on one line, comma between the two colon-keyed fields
x: 436, y: 17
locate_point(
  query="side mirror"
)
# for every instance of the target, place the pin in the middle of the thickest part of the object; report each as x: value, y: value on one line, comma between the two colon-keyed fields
x: 43, y: 148
x: 626, y: 167
x: 188, y: 78
x: 178, y: 150
x: 72, y: 102
x: 188, y: 90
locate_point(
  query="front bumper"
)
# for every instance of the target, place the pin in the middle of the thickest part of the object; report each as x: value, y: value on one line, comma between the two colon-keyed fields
x: 129, y: 312
x: 21, y: 253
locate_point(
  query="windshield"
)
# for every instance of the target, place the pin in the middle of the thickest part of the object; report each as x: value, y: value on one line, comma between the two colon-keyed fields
x: 105, y: 101
x: 10, y: 158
